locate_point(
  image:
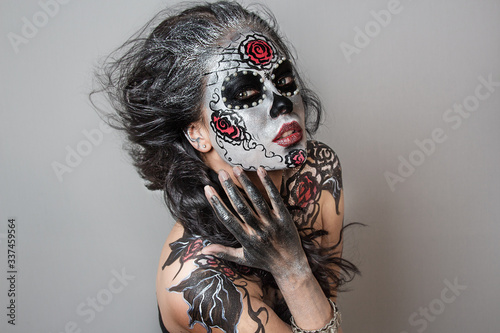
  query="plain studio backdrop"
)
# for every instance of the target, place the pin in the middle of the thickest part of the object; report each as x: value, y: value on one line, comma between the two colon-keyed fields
x: 411, y: 91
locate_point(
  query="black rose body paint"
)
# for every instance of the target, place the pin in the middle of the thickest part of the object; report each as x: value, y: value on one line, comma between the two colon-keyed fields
x: 214, y: 291
x: 217, y: 292
x: 295, y: 158
x: 320, y: 172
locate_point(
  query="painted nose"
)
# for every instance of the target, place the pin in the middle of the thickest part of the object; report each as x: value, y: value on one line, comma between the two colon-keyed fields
x: 281, y: 105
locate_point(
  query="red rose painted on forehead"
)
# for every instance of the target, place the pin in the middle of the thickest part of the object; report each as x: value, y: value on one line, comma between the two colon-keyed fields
x: 259, y: 51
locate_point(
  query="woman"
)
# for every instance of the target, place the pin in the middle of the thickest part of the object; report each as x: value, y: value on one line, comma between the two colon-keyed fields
x: 217, y: 116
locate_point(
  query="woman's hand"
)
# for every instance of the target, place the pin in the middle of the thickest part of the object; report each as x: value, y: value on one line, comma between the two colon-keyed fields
x: 270, y: 241
x: 269, y: 237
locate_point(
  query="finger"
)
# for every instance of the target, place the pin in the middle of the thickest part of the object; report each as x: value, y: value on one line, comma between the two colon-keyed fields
x: 224, y: 214
x: 253, y: 193
x: 237, y: 200
x: 272, y: 191
x: 225, y: 253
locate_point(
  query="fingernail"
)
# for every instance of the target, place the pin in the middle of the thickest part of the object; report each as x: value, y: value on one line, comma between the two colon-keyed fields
x: 223, y: 175
x: 262, y: 171
x: 237, y: 171
x: 209, y: 191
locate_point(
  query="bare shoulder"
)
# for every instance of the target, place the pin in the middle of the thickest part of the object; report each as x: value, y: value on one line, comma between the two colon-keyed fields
x: 200, y: 293
x: 304, y: 187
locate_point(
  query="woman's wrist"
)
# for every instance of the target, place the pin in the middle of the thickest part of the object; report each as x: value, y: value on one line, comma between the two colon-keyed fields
x: 331, y: 327
x: 305, y: 298
x: 293, y: 275
x: 294, y: 266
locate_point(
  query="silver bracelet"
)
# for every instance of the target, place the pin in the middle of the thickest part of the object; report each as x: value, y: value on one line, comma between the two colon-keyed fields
x: 331, y: 327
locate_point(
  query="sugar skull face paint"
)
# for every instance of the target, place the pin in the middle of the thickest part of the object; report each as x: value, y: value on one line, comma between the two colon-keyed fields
x: 254, y: 108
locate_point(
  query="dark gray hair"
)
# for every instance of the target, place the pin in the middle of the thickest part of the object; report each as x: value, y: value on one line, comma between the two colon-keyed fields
x: 155, y: 83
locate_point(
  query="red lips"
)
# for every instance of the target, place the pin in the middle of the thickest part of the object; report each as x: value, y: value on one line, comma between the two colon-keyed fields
x: 289, y: 134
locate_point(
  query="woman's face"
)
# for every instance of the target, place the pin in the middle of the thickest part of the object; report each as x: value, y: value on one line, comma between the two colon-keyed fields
x: 253, y: 106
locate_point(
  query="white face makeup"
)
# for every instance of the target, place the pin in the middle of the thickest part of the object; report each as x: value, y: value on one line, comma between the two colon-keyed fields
x: 253, y: 106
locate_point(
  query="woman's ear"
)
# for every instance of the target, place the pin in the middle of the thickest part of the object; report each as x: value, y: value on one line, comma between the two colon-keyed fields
x: 197, y: 134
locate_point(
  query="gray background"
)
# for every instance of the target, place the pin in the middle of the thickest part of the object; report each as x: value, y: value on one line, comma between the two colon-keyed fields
x: 438, y: 227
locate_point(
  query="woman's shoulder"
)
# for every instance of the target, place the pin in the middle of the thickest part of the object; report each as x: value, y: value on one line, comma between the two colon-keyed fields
x: 193, y: 288
x: 321, y: 155
x: 320, y: 171
x: 303, y: 186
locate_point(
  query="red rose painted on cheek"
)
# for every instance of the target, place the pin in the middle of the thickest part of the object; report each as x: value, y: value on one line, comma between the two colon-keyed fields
x: 229, y: 126
x: 259, y: 51
x: 225, y: 127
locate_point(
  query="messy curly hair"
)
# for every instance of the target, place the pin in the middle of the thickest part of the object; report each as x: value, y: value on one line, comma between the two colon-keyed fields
x: 155, y: 84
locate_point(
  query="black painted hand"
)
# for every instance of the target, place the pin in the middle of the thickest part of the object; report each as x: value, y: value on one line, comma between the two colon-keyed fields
x: 269, y: 238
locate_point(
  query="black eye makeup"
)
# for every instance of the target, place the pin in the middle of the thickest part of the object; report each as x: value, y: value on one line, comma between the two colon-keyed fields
x: 242, y: 90
x: 284, y: 79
